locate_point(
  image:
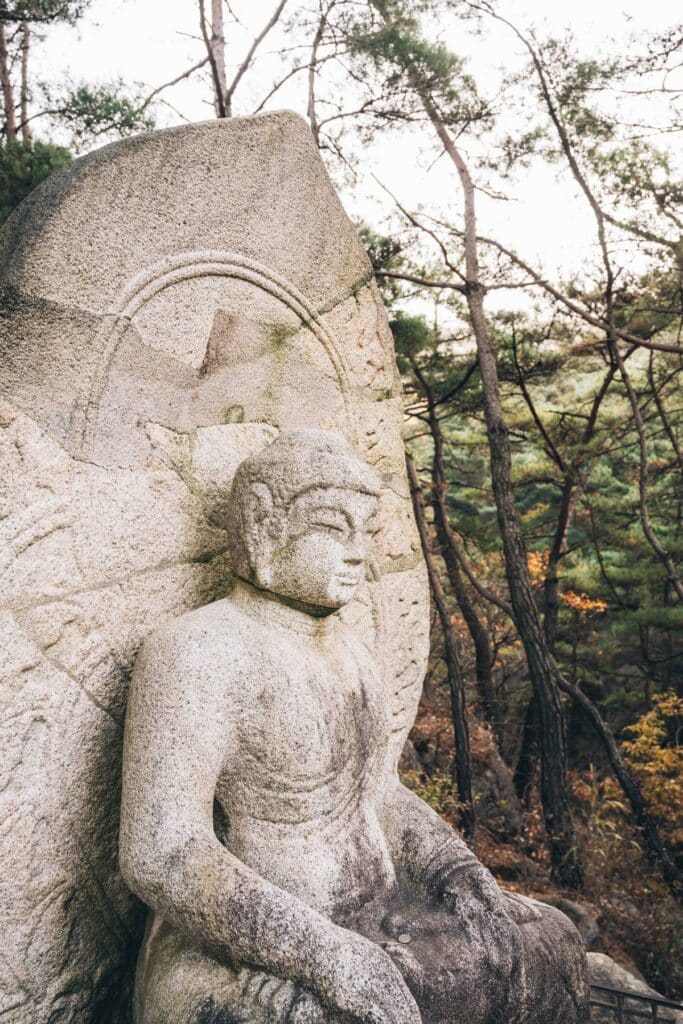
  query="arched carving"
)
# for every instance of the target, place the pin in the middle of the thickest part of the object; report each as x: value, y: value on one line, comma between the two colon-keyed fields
x: 172, y: 270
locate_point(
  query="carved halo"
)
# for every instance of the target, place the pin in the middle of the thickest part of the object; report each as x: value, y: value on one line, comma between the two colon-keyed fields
x: 171, y: 270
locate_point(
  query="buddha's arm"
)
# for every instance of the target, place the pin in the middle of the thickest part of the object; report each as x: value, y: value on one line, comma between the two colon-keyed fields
x: 177, y: 725
x: 432, y: 853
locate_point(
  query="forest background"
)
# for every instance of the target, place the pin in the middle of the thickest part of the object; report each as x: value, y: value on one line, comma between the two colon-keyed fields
x: 515, y: 174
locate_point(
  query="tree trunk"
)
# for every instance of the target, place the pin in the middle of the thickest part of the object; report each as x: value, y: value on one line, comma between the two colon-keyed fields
x: 218, y: 48
x: 23, y: 106
x: 554, y: 786
x: 558, y: 548
x: 463, y: 763
x: 215, y: 51
x: 545, y: 677
x: 480, y: 638
x: 312, y: 71
x: 572, y: 478
x: 524, y: 771
x: 478, y: 633
x: 523, y: 776
x: 7, y: 90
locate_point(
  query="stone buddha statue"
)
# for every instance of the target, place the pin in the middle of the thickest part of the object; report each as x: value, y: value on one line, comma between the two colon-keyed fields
x: 291, y: 878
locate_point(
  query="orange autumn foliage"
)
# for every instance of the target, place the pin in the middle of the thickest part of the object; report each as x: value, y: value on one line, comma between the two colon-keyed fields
x: 537, y: 564
x: 582, y: 603
x: 655, y: 755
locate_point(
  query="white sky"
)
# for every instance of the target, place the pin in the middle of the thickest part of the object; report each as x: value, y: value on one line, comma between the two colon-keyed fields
x: 152, y: 41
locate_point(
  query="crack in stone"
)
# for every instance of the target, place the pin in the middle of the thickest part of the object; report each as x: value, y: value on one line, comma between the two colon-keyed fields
x: 23, y: 607
x: 347, y: 293
x: 99, y: 885
x: 60, y: 667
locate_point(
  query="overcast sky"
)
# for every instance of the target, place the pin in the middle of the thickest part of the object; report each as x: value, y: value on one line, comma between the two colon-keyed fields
x: 152, y: 41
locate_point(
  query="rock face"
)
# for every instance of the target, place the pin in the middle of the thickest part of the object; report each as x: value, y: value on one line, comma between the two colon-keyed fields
x: 169, y: 304
x: 606, y: 972
x: 582, y: 915
x: 497, y: 804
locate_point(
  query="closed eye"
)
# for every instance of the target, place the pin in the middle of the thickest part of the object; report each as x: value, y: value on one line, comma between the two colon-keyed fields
x: 334, y: 527
x: 331, y: 520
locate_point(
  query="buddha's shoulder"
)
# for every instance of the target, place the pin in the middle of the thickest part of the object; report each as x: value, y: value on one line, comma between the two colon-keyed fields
x: 218, y: 629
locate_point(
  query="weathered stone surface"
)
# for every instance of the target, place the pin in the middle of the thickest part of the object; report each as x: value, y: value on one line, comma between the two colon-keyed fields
x: 606, y: 972
x: 291, y: 875
x: 582, y: 915
x: 169, y: 304
x: 496, y: 801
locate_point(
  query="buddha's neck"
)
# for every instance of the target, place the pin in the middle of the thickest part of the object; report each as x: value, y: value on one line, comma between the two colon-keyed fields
x: 269, y: 609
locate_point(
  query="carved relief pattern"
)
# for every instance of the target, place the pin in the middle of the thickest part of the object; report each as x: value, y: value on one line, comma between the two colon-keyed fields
x: 93, y: 555
x: 164, y: 274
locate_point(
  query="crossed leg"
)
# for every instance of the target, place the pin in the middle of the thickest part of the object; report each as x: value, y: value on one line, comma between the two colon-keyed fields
x: 457, y: 976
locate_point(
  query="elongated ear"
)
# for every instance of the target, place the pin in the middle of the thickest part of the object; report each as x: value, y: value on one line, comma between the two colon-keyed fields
x: 257, y: 514
x: 259, y: 505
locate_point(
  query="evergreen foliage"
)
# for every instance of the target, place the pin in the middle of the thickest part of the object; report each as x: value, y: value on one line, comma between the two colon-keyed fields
x: 42, y: 12
x: 92, y: 113
x: 23, y: 165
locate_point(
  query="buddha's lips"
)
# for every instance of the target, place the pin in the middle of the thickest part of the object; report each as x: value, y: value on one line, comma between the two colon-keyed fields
x: 348, y: 580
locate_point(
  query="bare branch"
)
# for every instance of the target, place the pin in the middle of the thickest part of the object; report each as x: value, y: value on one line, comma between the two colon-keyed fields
x: 278, y: 85
x: 666, y: 422
x: 174, y: 81
x: 536, y: 279
x: 552, y: 449
x: 422, y: 227
x: 594, y: 321
x: 312, y: 71
x: 426, y: 281
x: 609, y: 327
x: 244, y: 66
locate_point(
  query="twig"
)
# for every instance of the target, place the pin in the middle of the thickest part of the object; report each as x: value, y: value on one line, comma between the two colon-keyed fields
x: 230, y: 91
x: 174, y: 81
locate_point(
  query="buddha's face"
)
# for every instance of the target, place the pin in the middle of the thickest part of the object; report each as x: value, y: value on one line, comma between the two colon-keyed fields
x: 318, y: 558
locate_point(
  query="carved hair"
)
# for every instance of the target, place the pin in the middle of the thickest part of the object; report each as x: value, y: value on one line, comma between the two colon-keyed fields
x: 295, y: 462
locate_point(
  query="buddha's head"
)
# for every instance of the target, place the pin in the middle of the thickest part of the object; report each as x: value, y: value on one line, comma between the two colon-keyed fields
x: 302, y: 516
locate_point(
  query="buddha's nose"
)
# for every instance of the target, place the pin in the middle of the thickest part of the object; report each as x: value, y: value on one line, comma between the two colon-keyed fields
x: 352, y: 558
x: 355, y: 553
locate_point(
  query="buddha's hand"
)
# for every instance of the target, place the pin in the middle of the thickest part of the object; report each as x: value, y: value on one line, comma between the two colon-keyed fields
x: 479, y: 912
x: 470, y: 888
x: 361, y: 981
